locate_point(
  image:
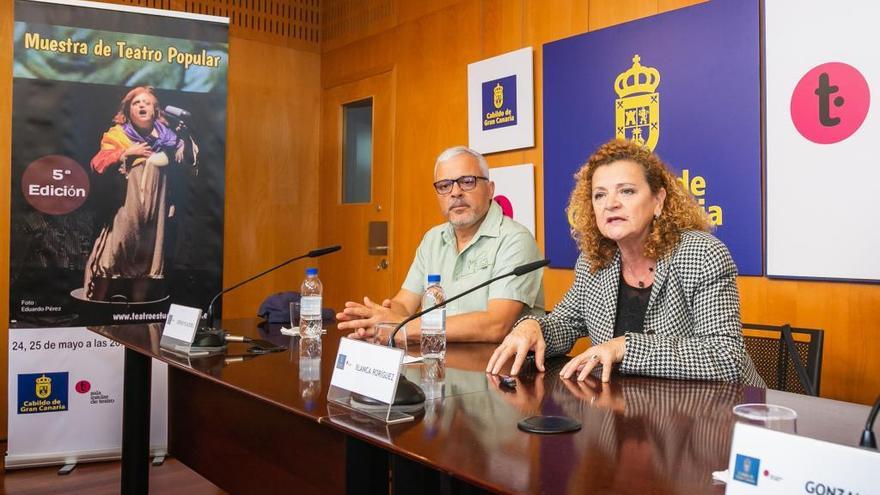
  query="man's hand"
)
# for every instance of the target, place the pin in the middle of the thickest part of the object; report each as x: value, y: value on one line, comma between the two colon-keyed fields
x: 357, y: 316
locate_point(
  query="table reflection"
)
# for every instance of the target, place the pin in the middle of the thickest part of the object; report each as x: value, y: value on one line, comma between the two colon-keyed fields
x: 637, y: 432
x: 310, y: 370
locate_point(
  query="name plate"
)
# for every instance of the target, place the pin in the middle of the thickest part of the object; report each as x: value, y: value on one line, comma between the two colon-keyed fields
x: 367, y: 369
x: 181, y: 323
x: 767, y: 461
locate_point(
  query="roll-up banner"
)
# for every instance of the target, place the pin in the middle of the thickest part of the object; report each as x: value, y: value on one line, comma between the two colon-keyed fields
x: 118, y: 178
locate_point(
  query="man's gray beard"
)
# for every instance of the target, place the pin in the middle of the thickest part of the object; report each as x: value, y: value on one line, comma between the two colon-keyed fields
x: 460, y: 225
x: 473, y: 220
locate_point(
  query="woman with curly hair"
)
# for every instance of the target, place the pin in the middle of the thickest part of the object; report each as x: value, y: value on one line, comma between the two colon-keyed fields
x: 653, y: 290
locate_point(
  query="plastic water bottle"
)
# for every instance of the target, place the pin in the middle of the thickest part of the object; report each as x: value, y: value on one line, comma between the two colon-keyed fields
x: 434, y: 323
x: 310, y: 305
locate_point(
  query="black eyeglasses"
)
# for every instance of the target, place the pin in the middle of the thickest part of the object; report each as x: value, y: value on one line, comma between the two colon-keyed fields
x: 465, y: 182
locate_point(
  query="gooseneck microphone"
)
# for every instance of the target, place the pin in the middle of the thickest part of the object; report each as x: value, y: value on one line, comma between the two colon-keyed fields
x: 520, y: 270
x: 408, y: 393
x: 209, y: 314
x: 868, y: 440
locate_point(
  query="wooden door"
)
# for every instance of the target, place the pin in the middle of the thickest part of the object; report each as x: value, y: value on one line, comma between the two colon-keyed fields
x: 354, y: 272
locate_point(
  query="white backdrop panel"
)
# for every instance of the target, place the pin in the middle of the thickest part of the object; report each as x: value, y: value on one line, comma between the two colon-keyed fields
x: 821, y: 199
x: 515, y: 190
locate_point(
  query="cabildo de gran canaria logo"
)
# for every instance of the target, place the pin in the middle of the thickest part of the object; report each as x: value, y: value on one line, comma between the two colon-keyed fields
x: 499, y: 103
x: 637, y: 110
x: 42, y: 392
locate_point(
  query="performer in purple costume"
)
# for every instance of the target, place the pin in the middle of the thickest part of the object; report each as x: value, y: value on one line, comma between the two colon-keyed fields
x: 128, y: 259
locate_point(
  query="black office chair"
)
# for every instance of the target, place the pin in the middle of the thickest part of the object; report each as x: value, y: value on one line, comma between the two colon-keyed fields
x: 786, y: 363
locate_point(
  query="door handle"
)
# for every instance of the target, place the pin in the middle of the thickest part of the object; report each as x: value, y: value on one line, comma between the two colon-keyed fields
x: 382, y: 265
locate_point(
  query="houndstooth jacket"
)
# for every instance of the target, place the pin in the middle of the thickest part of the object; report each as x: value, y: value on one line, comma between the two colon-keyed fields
x: 692, y: 324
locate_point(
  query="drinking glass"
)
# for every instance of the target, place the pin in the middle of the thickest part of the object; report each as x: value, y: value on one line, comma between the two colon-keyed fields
x: 294, y: 315
x: 383, y: 331
x: 770, y: 416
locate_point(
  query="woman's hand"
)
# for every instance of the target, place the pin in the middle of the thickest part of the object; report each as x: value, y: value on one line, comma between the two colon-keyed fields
x: 137, y: 149
x: 523, y: 338
x: 606, y: 354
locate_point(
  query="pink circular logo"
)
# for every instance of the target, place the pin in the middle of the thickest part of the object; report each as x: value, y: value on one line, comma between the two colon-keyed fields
x: 83, y: 386
x: 505, y: 204
x: 830, y: 102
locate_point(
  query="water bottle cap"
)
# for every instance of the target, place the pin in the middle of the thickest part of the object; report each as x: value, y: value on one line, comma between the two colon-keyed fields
x: 311, y: 271
x: 433, y: 279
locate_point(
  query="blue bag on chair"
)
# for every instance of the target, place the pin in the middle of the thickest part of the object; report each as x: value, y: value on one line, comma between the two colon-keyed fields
x: 276, y: 308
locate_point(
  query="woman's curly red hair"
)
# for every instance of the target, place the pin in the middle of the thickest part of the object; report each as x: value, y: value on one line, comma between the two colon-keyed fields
x: 680, y: 210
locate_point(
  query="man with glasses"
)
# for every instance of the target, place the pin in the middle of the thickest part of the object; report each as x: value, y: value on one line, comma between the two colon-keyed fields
x: 476, y: 243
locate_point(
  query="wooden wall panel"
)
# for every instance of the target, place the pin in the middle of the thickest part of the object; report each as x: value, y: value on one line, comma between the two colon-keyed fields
x: 604, y: 13
x: 343, y: 21
x: 271, y: 168
x: 664, y: 5
x: 290, y: 23
x: 431, y: 44
x: 358, y: 60
x: 431, y: 105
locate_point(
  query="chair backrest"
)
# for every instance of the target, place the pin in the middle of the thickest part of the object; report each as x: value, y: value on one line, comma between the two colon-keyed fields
x: 787, y: 358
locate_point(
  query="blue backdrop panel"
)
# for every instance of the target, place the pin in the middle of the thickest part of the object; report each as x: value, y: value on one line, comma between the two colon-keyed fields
x: 706, y: 111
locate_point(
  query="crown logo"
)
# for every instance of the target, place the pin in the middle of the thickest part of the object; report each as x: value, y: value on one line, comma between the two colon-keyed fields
x: 637, y: 79
x: 499, y: 95
x: 43, y: 387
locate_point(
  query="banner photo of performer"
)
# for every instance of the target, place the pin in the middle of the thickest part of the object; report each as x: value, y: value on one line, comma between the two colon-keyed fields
x: 117, y: 163
x: 117, y: 199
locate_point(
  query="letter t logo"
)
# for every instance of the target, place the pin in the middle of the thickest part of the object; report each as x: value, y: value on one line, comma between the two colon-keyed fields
x: 824, y: 92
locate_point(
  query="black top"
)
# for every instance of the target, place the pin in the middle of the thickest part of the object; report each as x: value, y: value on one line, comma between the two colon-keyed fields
x: 632, y: 304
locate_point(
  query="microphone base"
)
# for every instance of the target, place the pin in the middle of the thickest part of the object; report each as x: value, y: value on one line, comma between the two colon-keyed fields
x: 408, y: 395
x: 868, y: 440
x: 549, y: 424
x: 209, y: 339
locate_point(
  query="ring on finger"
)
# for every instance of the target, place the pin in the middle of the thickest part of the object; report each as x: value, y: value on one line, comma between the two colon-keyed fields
x: 594, y: 357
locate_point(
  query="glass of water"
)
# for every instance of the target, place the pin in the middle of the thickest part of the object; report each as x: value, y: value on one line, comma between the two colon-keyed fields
x: 382, y: 332
x: 770, y: 416
x: 294, y: 315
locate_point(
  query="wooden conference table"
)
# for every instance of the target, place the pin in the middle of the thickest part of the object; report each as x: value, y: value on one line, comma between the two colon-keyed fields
x: 263, y: 424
